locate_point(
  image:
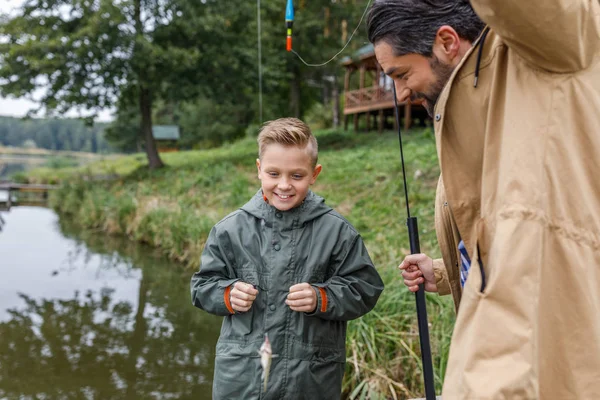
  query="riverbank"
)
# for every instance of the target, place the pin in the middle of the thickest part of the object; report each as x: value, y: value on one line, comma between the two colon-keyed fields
x: 174, y: 209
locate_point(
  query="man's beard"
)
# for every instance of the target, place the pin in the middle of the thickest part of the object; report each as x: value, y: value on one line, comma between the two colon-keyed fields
x: 442, y: 73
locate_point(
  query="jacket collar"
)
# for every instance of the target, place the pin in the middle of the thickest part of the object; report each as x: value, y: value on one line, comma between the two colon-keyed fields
x: 312, y: 207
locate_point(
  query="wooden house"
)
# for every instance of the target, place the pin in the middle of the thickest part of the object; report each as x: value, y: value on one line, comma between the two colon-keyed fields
x: 368, y: 92
x: 166, y: 137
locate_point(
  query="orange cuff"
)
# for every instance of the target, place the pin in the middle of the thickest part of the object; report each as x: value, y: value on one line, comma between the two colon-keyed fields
x: 227, y: 300
x: 323, y: 299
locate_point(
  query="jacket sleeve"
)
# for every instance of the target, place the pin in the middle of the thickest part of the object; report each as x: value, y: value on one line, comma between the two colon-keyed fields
x: 441, y: 277
x: 354, y: 288
x: 211, y: 285
x: 556, y: 35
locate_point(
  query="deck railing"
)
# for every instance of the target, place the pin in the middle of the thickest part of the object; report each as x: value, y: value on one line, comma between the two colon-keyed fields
x: 370, y: 96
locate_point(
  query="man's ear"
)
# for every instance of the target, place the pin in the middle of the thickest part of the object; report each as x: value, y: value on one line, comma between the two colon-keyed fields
x: 446, y: 46
x: 316, y: 173
x: 258, y: 166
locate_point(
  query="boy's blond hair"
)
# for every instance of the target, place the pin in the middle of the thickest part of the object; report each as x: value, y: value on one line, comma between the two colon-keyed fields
x: 288, y: 132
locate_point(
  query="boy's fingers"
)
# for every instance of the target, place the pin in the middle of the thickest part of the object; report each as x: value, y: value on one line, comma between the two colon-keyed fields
x: 240, y: 305
x: 298, y: 287
x: 299, y: 295
x: 241, y: 295
x: 302, y: 309
x: 299, y: 302
x: 245, y: 287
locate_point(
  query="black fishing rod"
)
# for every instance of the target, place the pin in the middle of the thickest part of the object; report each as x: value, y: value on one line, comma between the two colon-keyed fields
x: 415, y: 248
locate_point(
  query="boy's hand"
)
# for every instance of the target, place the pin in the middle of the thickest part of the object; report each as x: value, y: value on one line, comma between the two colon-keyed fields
x: 242, y: 296
x: 417, y: 269
x: 302, y: 298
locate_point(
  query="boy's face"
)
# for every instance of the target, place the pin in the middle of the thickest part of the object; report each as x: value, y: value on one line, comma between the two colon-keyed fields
x: 286, y: 173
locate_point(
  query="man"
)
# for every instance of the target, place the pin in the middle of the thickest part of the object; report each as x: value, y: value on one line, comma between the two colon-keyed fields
x: 516, y: 110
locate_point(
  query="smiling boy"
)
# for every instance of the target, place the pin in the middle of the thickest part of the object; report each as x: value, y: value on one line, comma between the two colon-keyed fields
x: 289, y: 266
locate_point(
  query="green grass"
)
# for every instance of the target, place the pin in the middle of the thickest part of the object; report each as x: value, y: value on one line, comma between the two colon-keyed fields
x: 174, y: 208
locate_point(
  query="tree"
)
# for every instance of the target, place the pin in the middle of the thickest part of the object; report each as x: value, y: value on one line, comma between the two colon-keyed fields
x: 93, y: 54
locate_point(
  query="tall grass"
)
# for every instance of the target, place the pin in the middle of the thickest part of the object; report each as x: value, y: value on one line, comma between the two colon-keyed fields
x: 174, y: 209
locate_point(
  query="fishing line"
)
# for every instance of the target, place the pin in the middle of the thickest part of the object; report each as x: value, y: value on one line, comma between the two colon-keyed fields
x: 343, y: 48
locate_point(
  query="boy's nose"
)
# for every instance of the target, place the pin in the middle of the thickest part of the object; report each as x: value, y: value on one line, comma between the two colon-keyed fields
x: 284, y: 184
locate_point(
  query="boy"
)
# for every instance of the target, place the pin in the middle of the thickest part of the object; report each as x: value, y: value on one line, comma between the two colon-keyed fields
x: 289, y: 266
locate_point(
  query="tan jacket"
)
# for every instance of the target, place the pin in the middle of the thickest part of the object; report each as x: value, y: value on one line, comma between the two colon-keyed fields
x: 520, y: 161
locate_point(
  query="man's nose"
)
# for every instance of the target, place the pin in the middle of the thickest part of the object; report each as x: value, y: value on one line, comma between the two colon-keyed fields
x: 402, y: 91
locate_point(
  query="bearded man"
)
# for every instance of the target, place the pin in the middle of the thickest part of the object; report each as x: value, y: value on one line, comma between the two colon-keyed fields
x: 513, y: 88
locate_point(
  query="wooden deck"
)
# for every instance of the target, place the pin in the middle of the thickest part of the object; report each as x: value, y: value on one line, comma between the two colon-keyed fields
x: 34, y: 194
x: 368, y: 99
x: 377, y: 101
x: 25, y: 187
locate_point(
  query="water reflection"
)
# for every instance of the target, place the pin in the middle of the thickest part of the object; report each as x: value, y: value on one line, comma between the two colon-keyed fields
x: 85, y: 316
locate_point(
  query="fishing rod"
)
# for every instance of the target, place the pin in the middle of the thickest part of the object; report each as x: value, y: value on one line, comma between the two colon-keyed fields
x: 415, y: 248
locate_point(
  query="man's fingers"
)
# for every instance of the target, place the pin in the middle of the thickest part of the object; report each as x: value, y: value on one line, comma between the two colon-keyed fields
x: 413, y: 282
x: 412, y: 259
x: 413, y: 288
x: 411, y: 275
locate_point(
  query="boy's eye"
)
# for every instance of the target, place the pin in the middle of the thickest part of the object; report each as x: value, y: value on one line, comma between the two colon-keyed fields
x: 297, y: 176
x: 273, y: 174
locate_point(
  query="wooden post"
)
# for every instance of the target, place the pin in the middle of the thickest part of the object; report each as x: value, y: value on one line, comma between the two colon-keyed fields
x: 407, y: 117
x: 346, y: 87
x: 362, y: 82
x: 380, y: 127
x: 347, y: 80
x: 355, y: 122
x: 368, y: 121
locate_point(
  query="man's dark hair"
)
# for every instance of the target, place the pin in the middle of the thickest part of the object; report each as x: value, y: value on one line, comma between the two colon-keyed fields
x: 410, y: 26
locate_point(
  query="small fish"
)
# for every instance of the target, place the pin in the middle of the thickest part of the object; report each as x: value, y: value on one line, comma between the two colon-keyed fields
x: 266, y: 355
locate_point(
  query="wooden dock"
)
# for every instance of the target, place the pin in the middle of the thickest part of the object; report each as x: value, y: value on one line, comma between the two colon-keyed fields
x: 36, y: 194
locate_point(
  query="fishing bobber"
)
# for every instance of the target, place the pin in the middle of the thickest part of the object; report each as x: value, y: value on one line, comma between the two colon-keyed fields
x: 289, y: 21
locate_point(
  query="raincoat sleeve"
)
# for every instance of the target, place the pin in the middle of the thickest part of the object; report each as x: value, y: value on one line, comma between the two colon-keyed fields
x: 211, y: 285
x: 556, y: 35
x: 354, y: 288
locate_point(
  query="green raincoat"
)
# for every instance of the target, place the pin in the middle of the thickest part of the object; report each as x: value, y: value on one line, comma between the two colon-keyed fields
x: 274, y: 250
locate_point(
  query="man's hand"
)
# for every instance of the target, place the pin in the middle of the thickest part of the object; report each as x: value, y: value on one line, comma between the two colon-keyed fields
x: 417, y: 269
x: 302, y: 298
x: 242, y: 296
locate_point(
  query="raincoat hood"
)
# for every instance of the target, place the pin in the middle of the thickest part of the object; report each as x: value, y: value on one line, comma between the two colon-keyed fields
x: 311, y: 208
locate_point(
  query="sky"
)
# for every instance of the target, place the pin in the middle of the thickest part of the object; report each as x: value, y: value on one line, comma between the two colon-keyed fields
x: 18, y: 107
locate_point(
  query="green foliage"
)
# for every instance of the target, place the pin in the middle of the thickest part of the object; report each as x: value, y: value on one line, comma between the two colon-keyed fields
x: 58, y: 162
x: 320, y: 116
x: 206, y: 123
x: 197, y: 61
x: 53, y: 134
